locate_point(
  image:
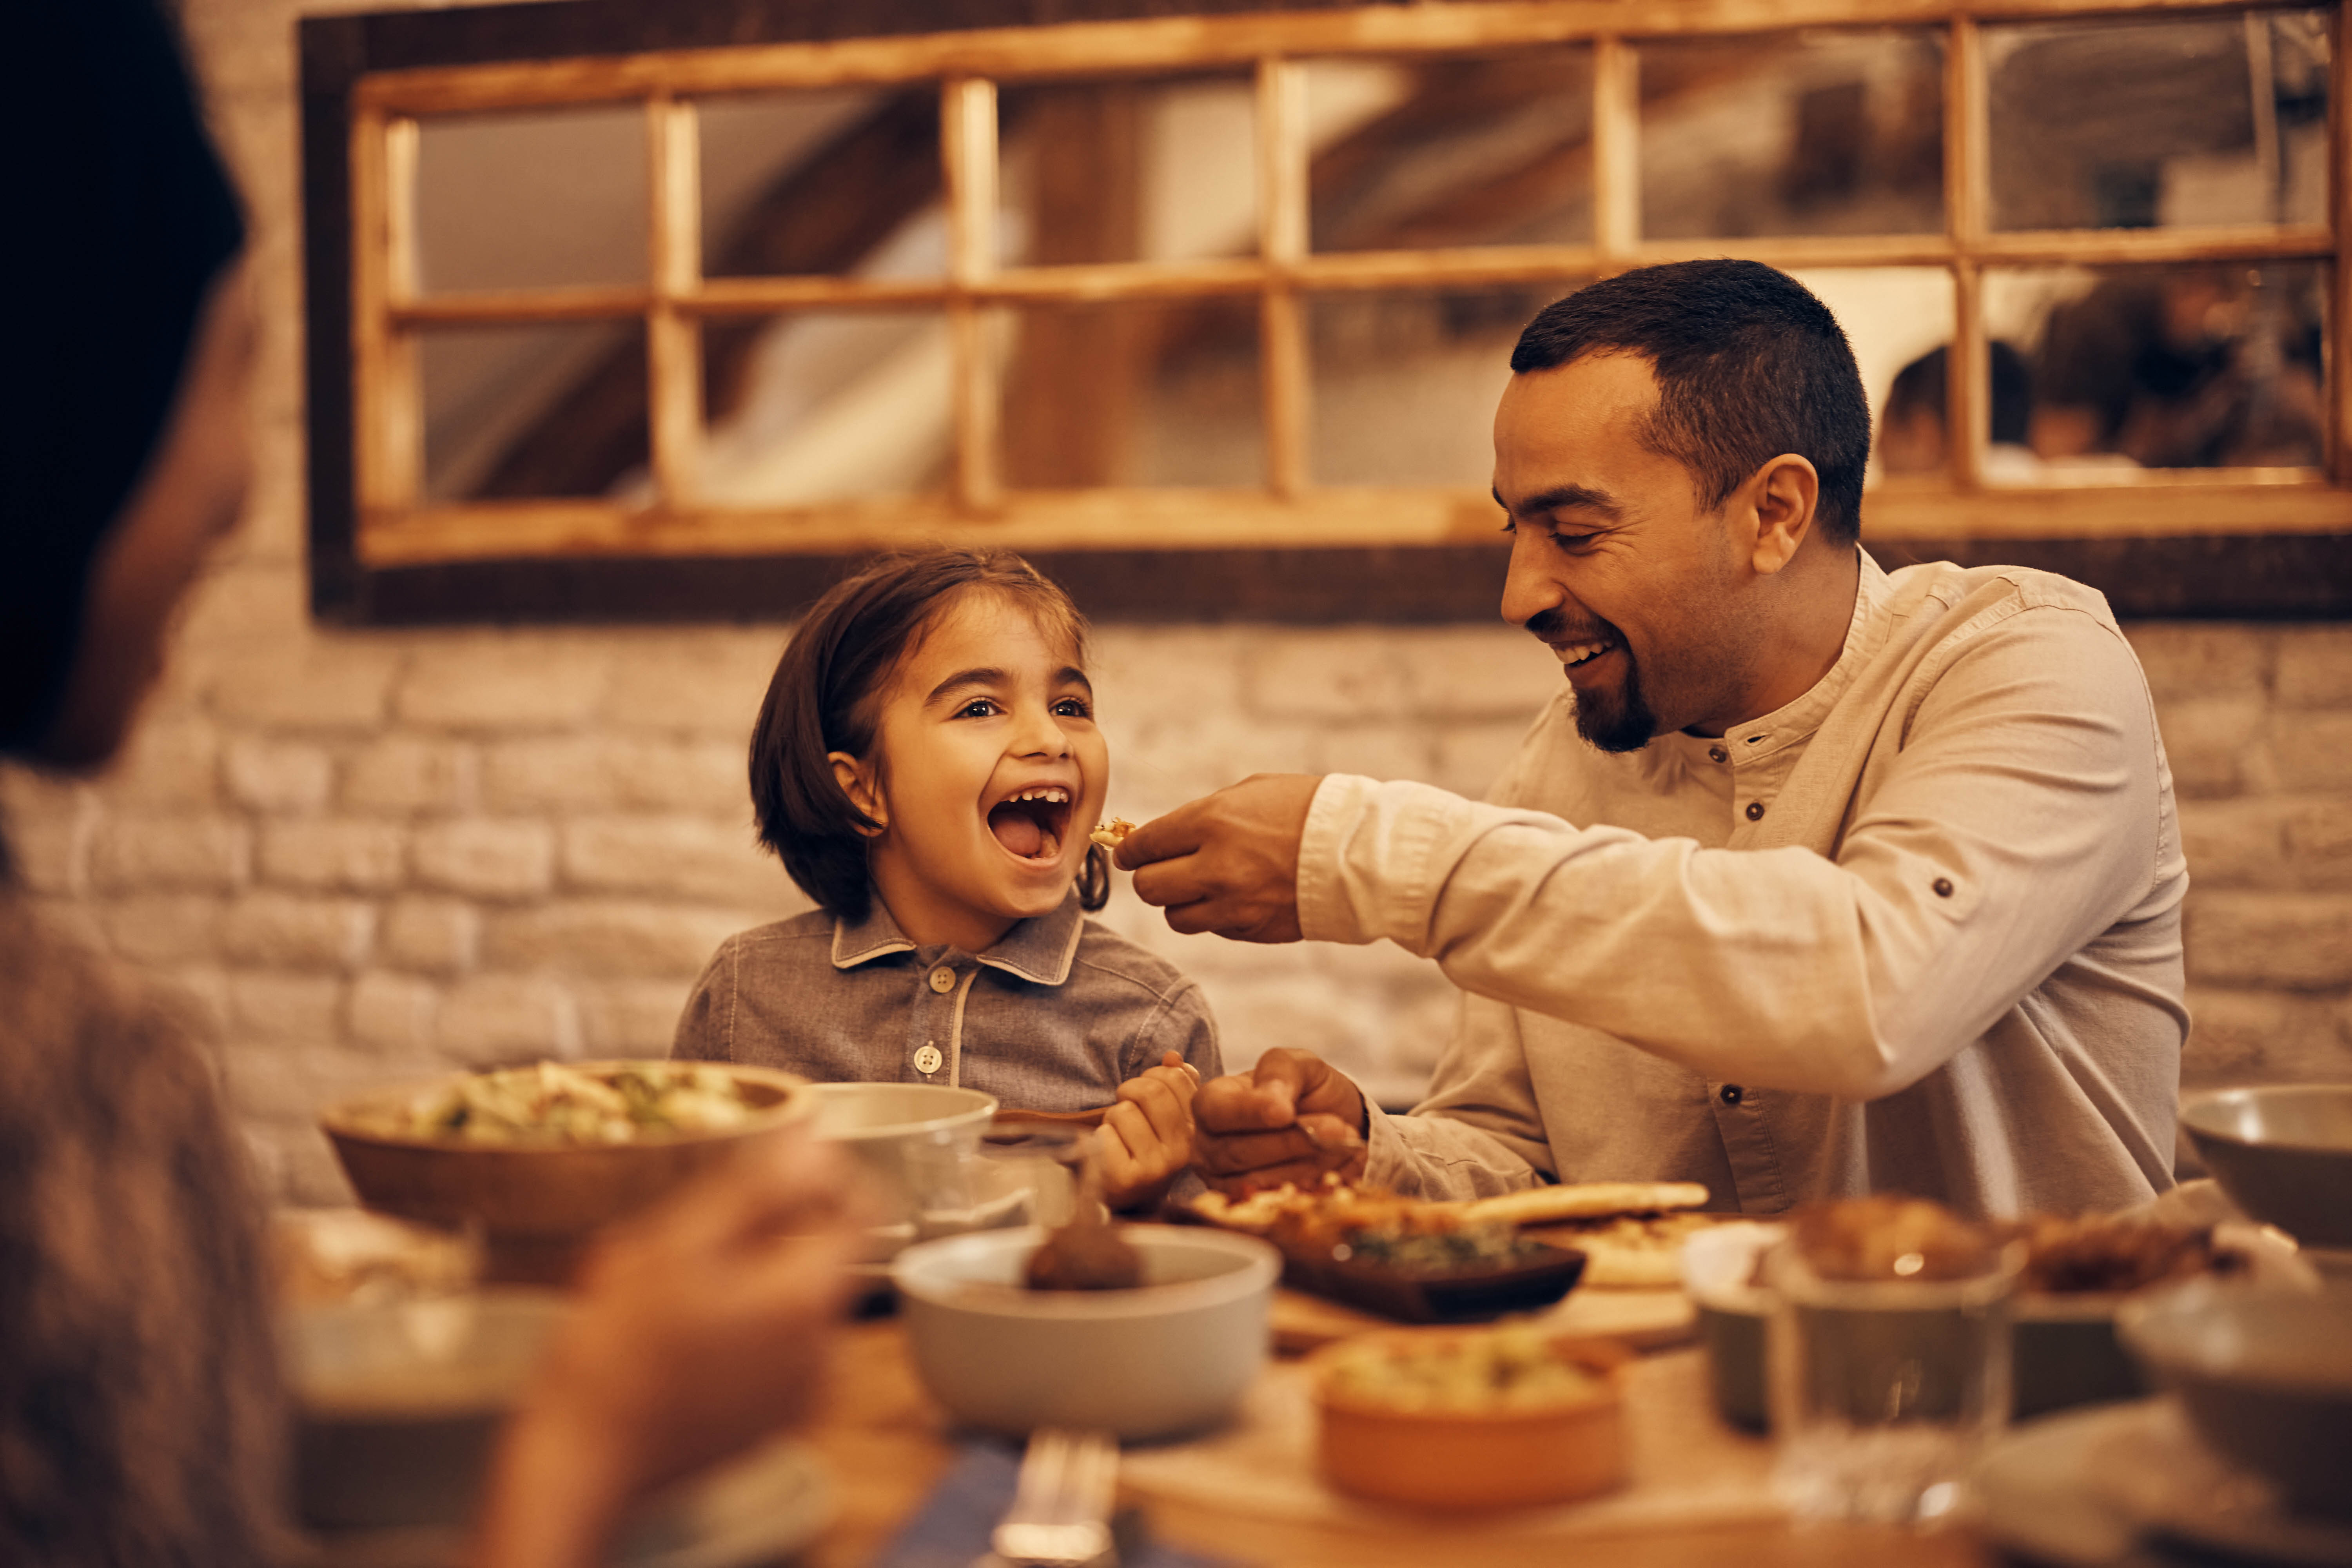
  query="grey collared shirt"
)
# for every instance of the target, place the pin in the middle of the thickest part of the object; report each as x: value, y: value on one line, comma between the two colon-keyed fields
x: 1918, y: 931
x: 1055, y: 1016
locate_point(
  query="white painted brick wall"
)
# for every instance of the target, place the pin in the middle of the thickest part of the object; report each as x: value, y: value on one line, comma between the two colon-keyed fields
x: 366, y: 857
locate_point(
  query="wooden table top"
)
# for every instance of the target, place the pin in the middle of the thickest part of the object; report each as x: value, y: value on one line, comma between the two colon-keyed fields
x: 889, y: 1445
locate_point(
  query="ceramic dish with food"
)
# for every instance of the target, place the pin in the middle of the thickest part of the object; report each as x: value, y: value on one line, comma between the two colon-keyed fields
x: 1420, y: 1261
x: 1470, y: 1419
x: 917, y: 1148
x: 1172, y: 1356
x: 538, y: 1158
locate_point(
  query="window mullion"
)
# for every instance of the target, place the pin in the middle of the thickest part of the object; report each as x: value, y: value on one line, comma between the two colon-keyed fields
x: 2340, y: 185
x: 1283, y: 218
x: 673, y: 262
x: 968, y: 151
x: 387, y: 389
x: 1967, y: 364
x: 1616, y: 152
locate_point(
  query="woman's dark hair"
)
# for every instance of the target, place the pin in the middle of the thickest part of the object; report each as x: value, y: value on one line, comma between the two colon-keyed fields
x: 825, y: 698
x: 1749, y: 365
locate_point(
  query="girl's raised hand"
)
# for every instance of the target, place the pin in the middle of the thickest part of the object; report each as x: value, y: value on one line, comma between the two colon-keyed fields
x: 1146, y: 1140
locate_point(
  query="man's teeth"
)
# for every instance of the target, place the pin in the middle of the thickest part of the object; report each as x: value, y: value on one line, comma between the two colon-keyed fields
x: 1577, y: 653
x: 1053, y: 795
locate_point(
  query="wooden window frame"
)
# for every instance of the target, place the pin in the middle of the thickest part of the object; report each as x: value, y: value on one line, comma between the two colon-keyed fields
x: 2244, y: 543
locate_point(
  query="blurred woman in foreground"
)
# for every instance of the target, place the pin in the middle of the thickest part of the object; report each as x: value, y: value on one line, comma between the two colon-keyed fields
x: 140, y: 1415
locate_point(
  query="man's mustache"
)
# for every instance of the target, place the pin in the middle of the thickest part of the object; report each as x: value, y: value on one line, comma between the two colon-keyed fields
x: 1551, y: 626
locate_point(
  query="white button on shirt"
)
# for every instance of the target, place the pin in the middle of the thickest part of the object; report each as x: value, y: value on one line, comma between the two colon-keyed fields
x: 1946, y: 961
x: 942, y: 982
x: 928, y: 1060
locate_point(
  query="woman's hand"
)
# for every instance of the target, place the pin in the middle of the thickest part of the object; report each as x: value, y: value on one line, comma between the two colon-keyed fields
x: 703, y: 1325
x: 1146, y: 1140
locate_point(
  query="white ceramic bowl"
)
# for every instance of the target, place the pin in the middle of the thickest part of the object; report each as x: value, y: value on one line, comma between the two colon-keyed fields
x: 917, y: 1144
x: 2264, y: 1374
x: 1171, y: 1356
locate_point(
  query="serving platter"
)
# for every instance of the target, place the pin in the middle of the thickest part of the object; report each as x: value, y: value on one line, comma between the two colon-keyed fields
x: 1639, y: 1320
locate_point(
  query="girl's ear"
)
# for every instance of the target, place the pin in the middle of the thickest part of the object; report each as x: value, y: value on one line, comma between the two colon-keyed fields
x: 859, y: 781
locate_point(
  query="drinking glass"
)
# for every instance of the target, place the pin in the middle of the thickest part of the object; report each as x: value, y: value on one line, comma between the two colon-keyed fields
x: 1884, y: 1391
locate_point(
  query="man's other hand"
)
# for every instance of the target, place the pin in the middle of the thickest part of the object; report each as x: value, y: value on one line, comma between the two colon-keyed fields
x: 1228, y: 862
x: 1290, y: 1119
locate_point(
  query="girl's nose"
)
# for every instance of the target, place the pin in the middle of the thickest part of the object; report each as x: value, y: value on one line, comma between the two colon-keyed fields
x: 1040, y: 735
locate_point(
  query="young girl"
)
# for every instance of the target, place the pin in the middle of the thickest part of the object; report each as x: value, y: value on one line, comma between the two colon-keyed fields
x: 927, y: 767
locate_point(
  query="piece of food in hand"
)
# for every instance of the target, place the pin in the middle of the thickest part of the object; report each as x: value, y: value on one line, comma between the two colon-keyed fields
x: 1087, y: 1254
x: 1112, y: 834
x: 1891, y: 1238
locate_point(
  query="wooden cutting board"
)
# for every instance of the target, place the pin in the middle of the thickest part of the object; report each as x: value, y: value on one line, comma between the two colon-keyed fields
x: 1641, y: 1320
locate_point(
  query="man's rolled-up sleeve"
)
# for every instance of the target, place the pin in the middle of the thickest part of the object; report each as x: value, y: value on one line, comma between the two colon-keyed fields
x: 2017, y: 822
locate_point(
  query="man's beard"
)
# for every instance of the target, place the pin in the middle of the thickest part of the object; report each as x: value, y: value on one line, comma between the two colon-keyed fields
x: 1619, y: 724
x: 1623, y: 723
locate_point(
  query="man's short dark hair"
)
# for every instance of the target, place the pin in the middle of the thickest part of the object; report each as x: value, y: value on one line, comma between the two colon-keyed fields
x: 1749, y: 365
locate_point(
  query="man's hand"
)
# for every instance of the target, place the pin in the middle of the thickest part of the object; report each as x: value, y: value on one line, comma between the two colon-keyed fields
x: 1146, y: 1140
x: 703, y: 1324
x: 1228, y: 862
x: 1289, y: 1120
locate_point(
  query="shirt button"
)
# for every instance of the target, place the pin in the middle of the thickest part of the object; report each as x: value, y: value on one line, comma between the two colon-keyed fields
x: 1943, y: 887
x: 1717, y: 755
x: 942, y: 982
x: 1731, y: 1094
x: 1755, y: 811
x: 928, y: 1060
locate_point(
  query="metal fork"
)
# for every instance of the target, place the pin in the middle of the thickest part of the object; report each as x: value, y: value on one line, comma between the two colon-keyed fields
x: 1060, y: 1516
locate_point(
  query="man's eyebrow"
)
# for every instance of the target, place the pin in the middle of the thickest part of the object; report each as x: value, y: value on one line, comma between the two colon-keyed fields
x: 966, y: 677
x: 1584, y: 497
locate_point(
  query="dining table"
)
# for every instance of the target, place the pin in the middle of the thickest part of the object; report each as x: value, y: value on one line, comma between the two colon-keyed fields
x: 1248, y: 1494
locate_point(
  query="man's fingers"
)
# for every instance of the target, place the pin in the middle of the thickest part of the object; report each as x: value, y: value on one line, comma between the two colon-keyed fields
x: 1237, y: 1152
x: 1306, y: 1174
x: 1161, y: 838
x: 1171, y: 884
x: 1237, y: 1104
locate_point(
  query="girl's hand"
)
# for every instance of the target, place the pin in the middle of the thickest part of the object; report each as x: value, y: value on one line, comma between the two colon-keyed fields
x: 703, y: 1325
x: 1146, y: 1140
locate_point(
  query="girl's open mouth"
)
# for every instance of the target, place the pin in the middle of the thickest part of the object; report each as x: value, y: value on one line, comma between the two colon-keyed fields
x: 1032, y: 823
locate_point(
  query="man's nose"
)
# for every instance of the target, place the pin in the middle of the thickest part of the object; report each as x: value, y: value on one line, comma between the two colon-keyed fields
x: 1529, y: 590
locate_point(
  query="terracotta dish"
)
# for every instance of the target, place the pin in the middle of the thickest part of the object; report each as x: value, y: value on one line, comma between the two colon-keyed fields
x: 1520, y: 1455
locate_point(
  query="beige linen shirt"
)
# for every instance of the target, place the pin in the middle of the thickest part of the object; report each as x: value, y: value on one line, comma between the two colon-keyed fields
x: 1920, y: 930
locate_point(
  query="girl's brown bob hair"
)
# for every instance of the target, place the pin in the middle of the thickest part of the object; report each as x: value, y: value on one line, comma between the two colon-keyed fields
x: 825, y: 698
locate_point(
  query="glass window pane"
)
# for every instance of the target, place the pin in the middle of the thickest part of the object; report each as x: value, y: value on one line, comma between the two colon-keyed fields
x: 825, y: 405
x: 556, y: 409
x: 1412, y: 155
x: 519, y: 201
x: 1165, y: 170
x: 1894, y: 316
x: 2177, y: 366
x: 1405, y: 383
x: 1793, y: 133
x: 1144, y: 393
x: 841, y: 182
x: 2171, y: 123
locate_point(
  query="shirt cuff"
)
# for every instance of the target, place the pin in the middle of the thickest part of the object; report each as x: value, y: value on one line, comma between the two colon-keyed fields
x: 1325, y: 913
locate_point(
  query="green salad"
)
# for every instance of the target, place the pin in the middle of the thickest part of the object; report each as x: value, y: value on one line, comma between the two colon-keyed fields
x: 554, y: 1104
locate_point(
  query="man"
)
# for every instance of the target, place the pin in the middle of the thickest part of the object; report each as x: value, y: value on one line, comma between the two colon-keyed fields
x: 1814, y: 882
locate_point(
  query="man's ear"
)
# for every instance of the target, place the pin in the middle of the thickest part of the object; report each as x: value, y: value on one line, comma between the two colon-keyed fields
x: 860, y: 783
x: 1786, y: 490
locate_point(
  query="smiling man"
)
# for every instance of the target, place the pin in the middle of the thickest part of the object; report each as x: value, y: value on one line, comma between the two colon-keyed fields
x: 1813, y: 882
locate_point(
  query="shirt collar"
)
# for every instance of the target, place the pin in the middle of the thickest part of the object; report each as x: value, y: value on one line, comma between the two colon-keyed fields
x: 1787, y: 725
x: 1042, y: 948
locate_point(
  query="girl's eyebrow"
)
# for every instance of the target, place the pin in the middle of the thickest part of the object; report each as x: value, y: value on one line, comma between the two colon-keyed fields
x: 966, y: 677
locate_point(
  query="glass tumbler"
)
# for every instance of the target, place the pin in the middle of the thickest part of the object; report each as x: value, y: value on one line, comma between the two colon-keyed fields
x: 1882, y: 1391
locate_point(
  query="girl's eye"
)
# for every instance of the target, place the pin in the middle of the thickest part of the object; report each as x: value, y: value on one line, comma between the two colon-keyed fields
x: 978, y: 708
x: 1072, y: 708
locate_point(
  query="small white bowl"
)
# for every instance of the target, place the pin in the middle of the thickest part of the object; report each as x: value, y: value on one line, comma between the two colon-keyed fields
x: 917, y: 1143
x: 1171, y: 1356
